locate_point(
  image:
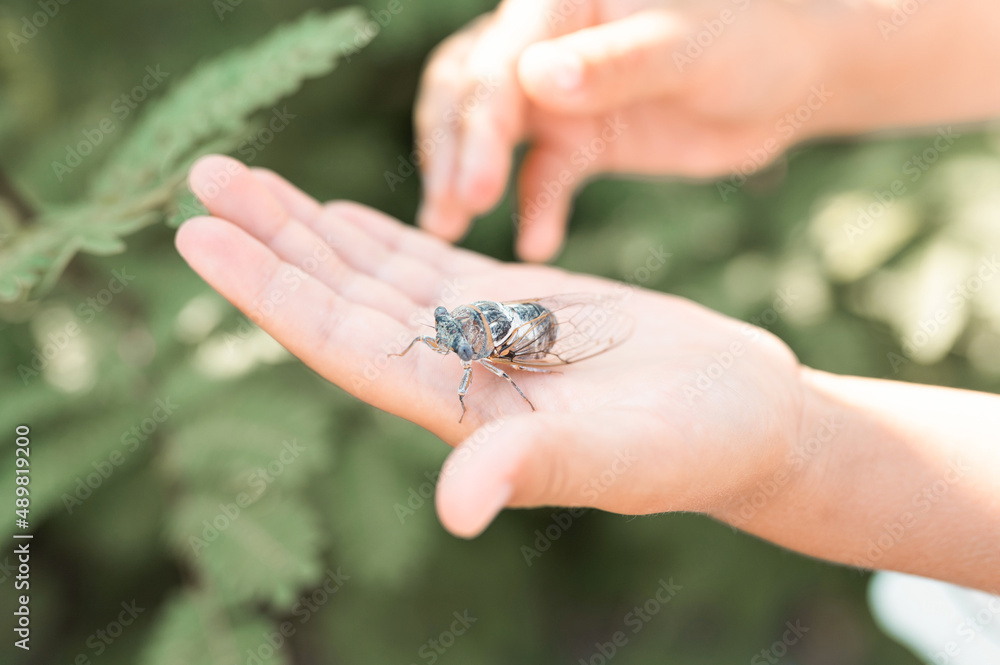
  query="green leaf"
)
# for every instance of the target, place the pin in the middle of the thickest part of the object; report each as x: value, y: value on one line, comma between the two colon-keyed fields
x: 209, y: 111
x: 102, y: 244
x: 230, y: 452
x: 184, y: 207
x: 242, y: 434
x: 25, y: 262
x: 192, y: 629
x: 266, y: 551
x: 72, y: 463
x: 218, y: 98
x: 387, y: 477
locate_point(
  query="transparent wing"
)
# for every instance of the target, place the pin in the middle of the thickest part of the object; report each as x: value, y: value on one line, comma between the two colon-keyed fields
x: 584, y: 325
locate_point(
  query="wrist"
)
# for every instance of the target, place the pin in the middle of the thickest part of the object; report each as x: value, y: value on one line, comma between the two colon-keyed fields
x: 852, y: 66
x: 889, y: 68
x: 770, y: 503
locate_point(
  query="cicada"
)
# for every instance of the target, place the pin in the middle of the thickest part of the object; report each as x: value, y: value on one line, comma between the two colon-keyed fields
x: 529, y: 335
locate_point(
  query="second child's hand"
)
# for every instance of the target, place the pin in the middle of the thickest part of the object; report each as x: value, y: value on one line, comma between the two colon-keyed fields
x: 689, y: 88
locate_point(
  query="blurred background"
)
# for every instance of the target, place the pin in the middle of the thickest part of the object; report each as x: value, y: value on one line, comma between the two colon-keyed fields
x: 198, y: 496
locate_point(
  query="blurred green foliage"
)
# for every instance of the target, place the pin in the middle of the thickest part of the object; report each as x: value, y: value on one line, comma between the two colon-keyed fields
x: 162, y: 411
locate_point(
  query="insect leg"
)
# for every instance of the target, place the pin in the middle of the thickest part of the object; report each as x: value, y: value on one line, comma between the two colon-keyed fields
x: 502, y: 374
x: 429, y: 341
x: 463, y: 388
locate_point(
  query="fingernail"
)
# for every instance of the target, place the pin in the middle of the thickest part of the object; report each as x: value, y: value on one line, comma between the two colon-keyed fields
x: 562, y: 68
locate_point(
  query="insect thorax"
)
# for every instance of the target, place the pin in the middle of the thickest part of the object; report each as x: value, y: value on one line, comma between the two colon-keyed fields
x: 524, y: 328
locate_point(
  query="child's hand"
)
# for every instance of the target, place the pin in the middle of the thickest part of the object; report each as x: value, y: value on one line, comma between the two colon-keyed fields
x: 696, y: 88
x: 695, y: 411
x: 646, y: 86
x: 693, y: 408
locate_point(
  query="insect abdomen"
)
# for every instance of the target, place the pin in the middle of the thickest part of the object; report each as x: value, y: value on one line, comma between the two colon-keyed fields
x: 536, y: 333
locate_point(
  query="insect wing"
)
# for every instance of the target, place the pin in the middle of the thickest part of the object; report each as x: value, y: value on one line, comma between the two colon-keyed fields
x: 585, y: 325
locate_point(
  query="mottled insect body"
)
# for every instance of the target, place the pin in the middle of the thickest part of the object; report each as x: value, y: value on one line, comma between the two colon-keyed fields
x: 495, y: 328
x: 529, y: 335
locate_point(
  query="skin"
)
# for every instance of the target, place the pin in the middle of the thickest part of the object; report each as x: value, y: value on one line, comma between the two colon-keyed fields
x: 635, y: 430
x: 530, y: 72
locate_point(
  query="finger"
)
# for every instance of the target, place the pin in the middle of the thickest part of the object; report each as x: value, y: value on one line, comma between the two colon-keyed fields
x: 373, y: 267
x: 548, y: 180
x: 298, y: 204
x: 417, y: 278
x: 496, y: 123
x: 405, y: 239
x: 347, y: 343
x: 598, y: 69
x: 607, y: 460
x: 438, y: 121
x: 392, y: 233
x: 232, y: 192
x: 330, y: 333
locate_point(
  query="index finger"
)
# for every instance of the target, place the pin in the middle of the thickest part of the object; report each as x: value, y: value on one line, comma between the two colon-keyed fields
x: 497, y: 124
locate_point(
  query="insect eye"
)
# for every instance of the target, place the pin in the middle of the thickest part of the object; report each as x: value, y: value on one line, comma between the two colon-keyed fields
x: 440, y: 311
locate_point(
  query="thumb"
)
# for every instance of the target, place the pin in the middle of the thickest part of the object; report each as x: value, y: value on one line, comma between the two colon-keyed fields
x: 609, y: 460
x: 605, y: 67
